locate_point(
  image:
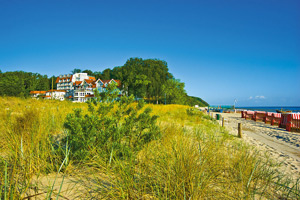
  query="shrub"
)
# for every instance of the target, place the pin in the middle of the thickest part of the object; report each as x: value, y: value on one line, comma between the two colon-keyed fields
x: 113, y: 129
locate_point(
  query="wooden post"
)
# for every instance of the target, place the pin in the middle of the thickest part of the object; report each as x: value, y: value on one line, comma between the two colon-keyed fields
x: 222, y: 121
x: 239, y: 130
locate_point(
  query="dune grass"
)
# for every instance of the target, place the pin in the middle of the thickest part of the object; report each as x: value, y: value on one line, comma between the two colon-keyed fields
x: 194, y: 158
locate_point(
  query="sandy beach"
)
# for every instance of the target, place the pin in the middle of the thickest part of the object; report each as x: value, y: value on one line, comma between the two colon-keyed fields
x: 281, y: 145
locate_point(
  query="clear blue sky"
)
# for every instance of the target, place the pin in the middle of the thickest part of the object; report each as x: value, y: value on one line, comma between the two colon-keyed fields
x: 223, y: 50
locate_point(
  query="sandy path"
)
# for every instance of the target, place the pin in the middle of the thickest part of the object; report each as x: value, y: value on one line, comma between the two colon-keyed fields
x: 282, y: 145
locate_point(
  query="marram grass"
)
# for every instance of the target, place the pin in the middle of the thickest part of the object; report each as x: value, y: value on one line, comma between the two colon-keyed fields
x: 194, y: 159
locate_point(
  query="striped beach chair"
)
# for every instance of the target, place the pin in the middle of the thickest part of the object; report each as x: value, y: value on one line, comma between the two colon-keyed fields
x: 249, y: 115
x: 268, y: 118
x: 276, y: 119
x: 259, y: 116
x: 293, y: 122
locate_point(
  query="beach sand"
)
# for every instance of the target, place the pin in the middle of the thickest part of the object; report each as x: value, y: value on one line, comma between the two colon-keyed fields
x: 282, y: 146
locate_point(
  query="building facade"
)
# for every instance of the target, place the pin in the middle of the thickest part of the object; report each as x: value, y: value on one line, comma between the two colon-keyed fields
x: 77, y: 87
x: 56, y: 94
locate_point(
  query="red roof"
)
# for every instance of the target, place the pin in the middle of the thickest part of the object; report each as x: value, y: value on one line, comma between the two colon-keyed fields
x: 89, y: 95
x: 66, y: 78
x: 89, y: 81
x: 92, y: 78
x: 105, y: 81
x: 37, y: 92
x: 118, y: 82
x: 77, y: 83
x: 56, y: 91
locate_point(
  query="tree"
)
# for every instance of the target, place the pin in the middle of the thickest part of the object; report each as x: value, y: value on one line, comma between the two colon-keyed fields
x: 89, y: 72
x: 97, y: 75
x: 74, y: 71
x: 137, y: 69
x: 20, y: 83
x: 141, y: 83
x: 51, y: 80
x: 174, y: 92
x: 106, y: 74
x: 12, y: 84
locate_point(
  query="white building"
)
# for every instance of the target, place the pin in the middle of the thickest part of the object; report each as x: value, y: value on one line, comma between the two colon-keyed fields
x: 66, y: 82
x: 56, y: 94
x: 78, y: 87
x: 84, y: 90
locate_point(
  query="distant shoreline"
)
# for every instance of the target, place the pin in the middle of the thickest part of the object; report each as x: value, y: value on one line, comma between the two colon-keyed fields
x: 272, y: 108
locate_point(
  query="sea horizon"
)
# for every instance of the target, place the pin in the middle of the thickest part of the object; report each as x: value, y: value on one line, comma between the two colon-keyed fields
x: 270, y: 108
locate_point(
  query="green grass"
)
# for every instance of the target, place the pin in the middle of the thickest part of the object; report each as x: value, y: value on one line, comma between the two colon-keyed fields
x: 195, y: 158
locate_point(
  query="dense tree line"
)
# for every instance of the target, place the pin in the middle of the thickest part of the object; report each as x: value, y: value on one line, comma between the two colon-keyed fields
x: 149, y: 79
x: 20, y: 83
x: 144, y: 78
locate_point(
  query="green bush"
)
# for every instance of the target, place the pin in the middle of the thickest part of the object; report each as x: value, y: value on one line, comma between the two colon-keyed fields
x: 111, y: 129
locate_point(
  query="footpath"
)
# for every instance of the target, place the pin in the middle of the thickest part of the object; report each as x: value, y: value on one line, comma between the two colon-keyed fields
x: 281, y: 145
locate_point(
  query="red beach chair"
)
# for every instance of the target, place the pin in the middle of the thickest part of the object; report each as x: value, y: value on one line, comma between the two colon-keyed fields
x: 259, y: 116
x: 293, y: 122
x: 243, y: 113
x: 268, y: 118
x: 249, y: 115
x: 276, y: 119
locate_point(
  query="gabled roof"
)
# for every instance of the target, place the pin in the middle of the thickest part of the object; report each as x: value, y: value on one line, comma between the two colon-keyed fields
x: 105, y: 82
x: 89, y: 81
x: 117, y: 81
x: 66, y: 78
x: 77, y: 83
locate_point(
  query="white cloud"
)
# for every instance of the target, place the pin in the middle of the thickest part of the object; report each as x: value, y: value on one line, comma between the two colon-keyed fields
x: 260, y: 97
x: 257, y: 97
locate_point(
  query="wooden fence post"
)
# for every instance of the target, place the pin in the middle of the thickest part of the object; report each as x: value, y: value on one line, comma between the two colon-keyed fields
x: 239, y: 130
x: 222, y: 121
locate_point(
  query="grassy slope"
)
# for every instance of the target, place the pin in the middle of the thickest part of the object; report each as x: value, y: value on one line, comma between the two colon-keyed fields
x: 194, y: 159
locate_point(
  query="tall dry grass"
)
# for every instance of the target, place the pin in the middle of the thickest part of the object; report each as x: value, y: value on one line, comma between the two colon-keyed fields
x: 194, y: 159
x: 28, y: 132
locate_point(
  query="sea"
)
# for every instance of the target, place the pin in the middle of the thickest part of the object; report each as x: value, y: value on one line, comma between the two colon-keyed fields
x: 294, y: 109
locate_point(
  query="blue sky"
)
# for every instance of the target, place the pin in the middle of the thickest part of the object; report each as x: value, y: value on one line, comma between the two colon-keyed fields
x: 247, y: 50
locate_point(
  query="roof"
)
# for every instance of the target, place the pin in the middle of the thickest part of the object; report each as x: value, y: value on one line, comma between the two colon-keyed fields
x: 56, y: 91
x: 37, y: 92
x: 109, y: 81
x: 69, y: 77
x: 89, y: 81
x: 92, y: 78
x: 77, y: 83
x: 89, y: 95
x: 118, y: 82
x: 105, y: 81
